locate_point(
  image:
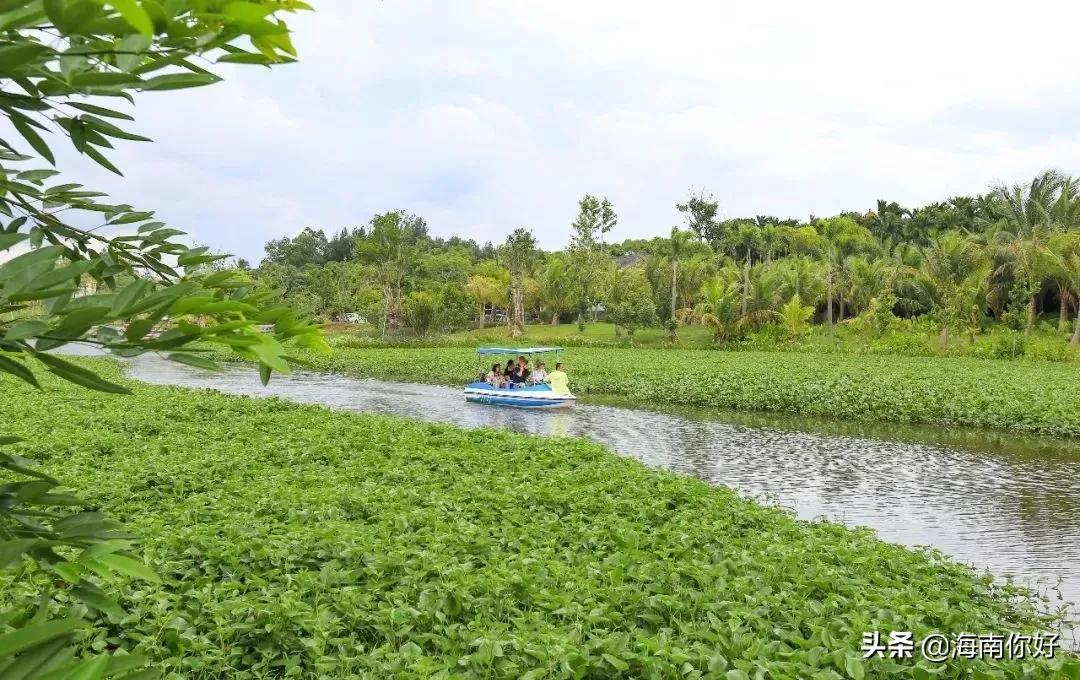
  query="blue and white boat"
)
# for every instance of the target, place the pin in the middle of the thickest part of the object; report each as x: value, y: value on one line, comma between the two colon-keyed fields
x: 530, y: 396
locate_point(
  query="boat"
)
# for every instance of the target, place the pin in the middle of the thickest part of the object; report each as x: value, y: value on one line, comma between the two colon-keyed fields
x: 531, y: 396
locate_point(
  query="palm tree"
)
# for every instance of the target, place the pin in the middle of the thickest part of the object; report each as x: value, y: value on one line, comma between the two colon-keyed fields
x: 841, y: 236
x: 1064, y: 260
x: 517, y: 254
x: 680, y: 240
x: 800, y: 275
x: 1030, y: 217
x: 693, y: 272
x: 719, y: 306
x: 555, y: 286
x: 747, y: 238
x: 868, y: 278
x: 795, y: 316
x: 956, y: 273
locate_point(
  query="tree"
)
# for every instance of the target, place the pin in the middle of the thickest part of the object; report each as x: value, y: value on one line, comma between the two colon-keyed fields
x: 1065, y: 267
x: 956, y: 274
x: 485, y: 290
x: 57, y: 58
x: 342, y: 247
x: 555, y: 286
x: 677, y: 249
x: 719, y: 307
x: 630, y: 304
x: 1029, y: 221
x: 517, y: 254
x: 795, y: 316
x: 307, y: 247
x: 588, y: 259
x: 701, y: 212
x: 840, y: 237
x: 393, y: 247
x: 596, y: 217
x: 421, y: 309
x: 745, y: 238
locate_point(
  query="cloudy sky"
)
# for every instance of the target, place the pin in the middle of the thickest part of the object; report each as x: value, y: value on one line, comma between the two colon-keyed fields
x: 495, y: 114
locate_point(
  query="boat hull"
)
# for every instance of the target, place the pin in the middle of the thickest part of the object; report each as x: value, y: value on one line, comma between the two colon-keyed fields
x: 537, y: 396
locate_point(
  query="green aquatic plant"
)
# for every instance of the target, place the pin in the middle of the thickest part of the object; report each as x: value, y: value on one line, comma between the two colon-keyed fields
x: 1024, y: 396
x: 292, y: 541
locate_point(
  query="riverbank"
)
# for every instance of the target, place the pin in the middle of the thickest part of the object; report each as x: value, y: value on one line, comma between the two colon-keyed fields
x: 1021, y: 396
x: 915, y: 338
x: 347, y: 545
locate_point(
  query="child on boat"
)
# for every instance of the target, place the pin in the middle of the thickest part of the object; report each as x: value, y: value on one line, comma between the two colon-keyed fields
x: 539, y: 374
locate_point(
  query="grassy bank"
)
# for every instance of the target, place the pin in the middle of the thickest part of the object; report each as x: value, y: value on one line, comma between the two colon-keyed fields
x: 919, y: 338
x: 297, y: 542
x: 1023, y: 396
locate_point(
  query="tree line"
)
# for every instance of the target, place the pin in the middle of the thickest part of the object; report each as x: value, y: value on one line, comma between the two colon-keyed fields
x: 1004, y: 256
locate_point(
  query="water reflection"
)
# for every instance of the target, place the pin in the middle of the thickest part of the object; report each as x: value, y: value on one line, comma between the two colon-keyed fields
x: 999, y: 501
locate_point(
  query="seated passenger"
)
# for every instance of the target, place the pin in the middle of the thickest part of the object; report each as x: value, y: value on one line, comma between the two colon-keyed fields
x: 494, y: 376
x: 520, y: 374
x: 540, y: 374
x: 558, y: 380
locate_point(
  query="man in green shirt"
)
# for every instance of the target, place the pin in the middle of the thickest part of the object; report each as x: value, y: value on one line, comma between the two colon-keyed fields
x: 558, y: 380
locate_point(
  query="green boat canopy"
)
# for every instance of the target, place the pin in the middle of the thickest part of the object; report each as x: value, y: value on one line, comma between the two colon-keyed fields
x: 516, y: 350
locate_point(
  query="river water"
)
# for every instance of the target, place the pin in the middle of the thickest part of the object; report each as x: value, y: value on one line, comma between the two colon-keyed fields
x: 1007, y: 504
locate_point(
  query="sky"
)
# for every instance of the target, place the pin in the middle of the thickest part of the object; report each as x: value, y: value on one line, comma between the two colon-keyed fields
x: 485, y: 115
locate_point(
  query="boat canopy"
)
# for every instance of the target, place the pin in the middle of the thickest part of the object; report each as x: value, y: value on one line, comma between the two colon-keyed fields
x: 516, y: 350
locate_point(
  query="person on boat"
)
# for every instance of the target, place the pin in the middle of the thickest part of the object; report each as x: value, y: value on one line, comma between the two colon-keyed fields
x: 509, y: 370
x: 494, y: 376
x: 519, y: 375
x: 539, y: 374
x: 558, y: 380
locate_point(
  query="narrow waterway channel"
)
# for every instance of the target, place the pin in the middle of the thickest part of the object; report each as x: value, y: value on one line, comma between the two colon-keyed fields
x: 1008, y: 504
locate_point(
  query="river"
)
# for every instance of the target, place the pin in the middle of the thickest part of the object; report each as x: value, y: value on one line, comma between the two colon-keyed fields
x: 1005, y: 503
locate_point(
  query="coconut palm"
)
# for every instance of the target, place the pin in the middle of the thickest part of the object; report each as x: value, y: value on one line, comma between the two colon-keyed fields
x: 1064, y: 260
x: 956, y: 274
x: 867, y: 278
x: 693, y: 272
x: 800, y: 275
x: 795, y: 316
x: 679, y: 244
x: 719, y: 306
x: 840, y: 237
x: 1031, y: 213
x: 746, y: 239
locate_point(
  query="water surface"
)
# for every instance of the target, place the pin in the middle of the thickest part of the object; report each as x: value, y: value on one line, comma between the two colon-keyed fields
x: 1007, y: 503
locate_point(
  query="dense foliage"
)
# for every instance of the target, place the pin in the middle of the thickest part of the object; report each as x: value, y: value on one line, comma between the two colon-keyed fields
x: 296, y: 542
x: 964, y: 265
x: 1023, y: 396
x: 74, y: 266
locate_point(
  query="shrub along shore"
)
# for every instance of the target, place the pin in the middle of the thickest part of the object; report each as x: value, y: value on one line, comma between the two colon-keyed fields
x: 293, y: 541
x: 1023, y: 396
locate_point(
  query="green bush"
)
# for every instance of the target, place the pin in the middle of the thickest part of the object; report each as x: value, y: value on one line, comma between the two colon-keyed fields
x: 901, y: 343
x: 1048, y: 350
x: 1008, y: 345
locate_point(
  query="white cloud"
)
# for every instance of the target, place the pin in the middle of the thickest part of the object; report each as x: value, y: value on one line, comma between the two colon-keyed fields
x: 487, y: 115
